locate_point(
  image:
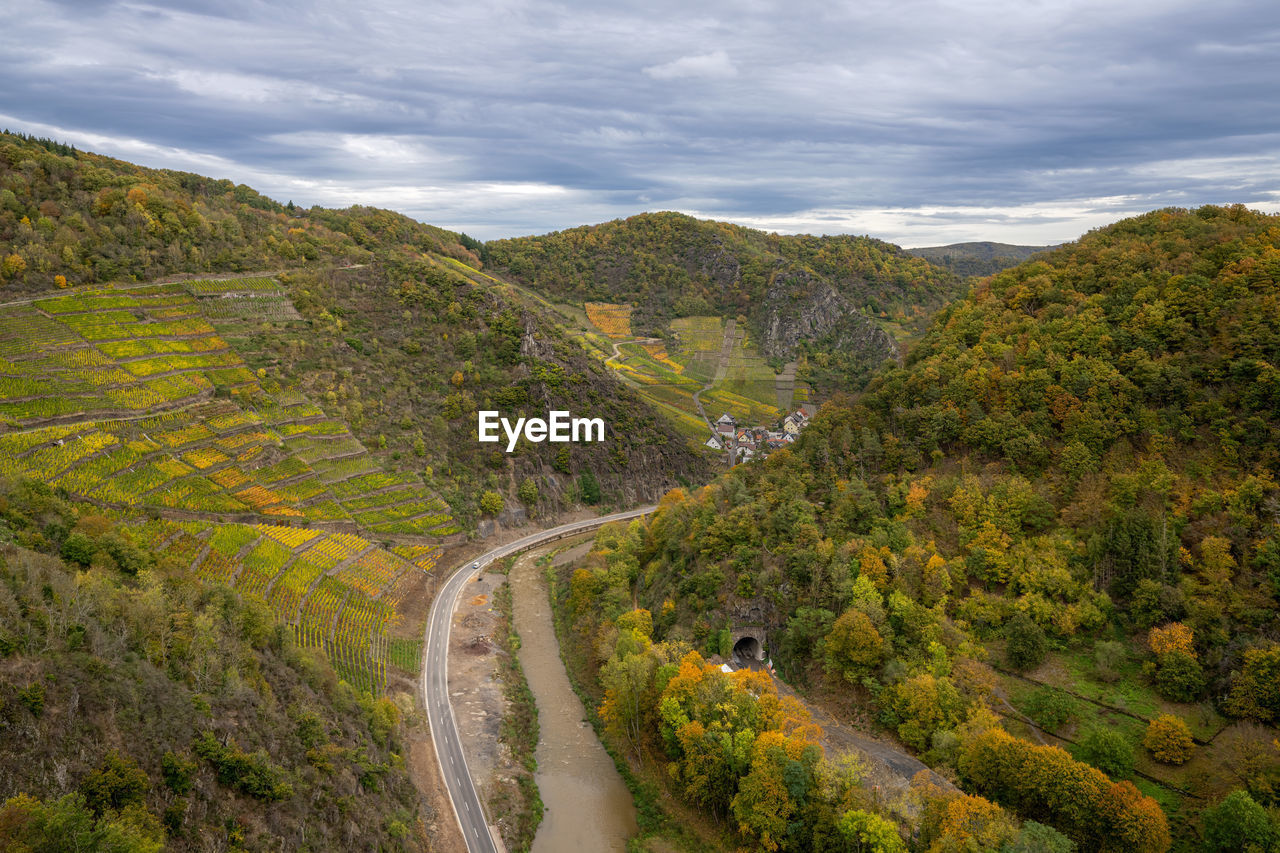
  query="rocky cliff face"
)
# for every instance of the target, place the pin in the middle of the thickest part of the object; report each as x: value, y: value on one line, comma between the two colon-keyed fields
x: 799, y: 307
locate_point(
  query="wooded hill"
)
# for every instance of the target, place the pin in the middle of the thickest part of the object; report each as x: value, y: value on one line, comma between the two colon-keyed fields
x: 1057, y: 525
x: 825, y: 297
x: 976, y: 259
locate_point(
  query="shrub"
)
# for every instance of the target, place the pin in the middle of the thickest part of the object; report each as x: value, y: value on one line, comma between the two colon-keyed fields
x: 178, y: 772
x: 1108, y: 657
x: 588, y: 488
x: 1049, y: 708
x: 1026, y: 644
x: 1169, y: 740
x: 78, y: 548
x: 250, y: 773
x: 32, y: 696
x: 1108, y: 750
x: 116, y: 783
x: 491, y: 503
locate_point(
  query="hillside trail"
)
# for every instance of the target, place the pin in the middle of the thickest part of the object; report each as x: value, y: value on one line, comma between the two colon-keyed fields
x: 618, y: 354
x: 784, y: 385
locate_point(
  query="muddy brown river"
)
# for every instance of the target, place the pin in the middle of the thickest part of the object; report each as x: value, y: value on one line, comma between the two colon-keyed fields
x: 587, y: 805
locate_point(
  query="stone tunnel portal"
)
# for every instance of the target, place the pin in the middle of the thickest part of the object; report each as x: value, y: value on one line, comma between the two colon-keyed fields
x: 749, y: 646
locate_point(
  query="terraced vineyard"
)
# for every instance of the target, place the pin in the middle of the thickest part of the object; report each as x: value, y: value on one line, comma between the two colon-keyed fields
x: 111, y: 395
x: 243, y: 299
x: 131, y: 399
x: 612, y: 320
x: 338, y: 592
x: 668, y: 375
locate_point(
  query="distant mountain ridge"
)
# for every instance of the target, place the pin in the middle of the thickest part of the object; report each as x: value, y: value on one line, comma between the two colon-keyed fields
x: 977, y: 258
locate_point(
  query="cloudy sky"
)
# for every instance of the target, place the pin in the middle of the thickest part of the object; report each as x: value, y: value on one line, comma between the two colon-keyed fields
x: 1027, y: 121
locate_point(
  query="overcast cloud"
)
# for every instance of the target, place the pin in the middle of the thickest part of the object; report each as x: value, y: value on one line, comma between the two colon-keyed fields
x: 916, y: 122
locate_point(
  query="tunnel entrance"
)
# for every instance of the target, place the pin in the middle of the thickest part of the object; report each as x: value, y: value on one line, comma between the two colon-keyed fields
x: 748, y: 648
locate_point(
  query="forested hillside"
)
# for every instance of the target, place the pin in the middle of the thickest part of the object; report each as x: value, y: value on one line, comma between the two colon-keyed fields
x: 821, y: 297
x: 1049, y: 540
x: 71, y: 217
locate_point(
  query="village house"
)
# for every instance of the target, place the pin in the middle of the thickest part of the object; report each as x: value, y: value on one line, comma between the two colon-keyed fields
x: 795, y: 422
x: 747, y: 442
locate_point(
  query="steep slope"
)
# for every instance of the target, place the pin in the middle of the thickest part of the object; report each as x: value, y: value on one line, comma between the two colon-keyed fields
x: 411, y: 292
x: 142, y: 710
x: 410, y: 353
x: 1062, y: 509
x: 799, y: 294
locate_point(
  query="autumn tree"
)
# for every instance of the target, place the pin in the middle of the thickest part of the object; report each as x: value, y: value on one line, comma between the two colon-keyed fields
x: 1046, y: 783
x: 867, y: 832
x: 1178, y: 674
x: 780, y: 779
x: 854, y: 647
x: 12, y: 266
x: 1174, y: 637
x: 1169, y: 740
x: 922, y: 705
x: 972, y: 823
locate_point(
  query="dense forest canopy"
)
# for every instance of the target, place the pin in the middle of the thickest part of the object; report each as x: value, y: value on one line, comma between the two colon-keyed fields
x: 672, y: 264
x: 71, y: 217
x: 1077, y: 468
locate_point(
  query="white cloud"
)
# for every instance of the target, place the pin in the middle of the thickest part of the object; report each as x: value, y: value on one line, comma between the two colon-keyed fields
x: 929, y: 122
x: 716, y: 65
x: 1035, y: 224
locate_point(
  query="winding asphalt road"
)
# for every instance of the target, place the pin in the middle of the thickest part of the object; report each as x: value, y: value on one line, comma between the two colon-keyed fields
x: 435, y: 677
